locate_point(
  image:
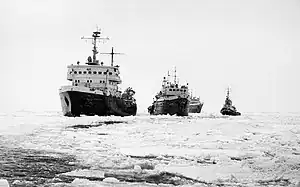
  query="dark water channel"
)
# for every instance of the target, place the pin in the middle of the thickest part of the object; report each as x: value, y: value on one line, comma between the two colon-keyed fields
x: 27, y: 167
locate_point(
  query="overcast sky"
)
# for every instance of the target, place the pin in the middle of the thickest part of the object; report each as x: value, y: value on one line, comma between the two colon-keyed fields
x: 253, y: 46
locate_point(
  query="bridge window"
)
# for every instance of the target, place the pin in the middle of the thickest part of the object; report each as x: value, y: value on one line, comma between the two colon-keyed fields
x: 115, y: 69
x: 104, y: 73
x: 78, y: 81
x: 95, y: 72
x: 110, y: 73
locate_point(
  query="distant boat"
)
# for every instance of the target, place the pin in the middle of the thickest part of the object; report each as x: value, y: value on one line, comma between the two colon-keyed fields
x: 94, y: 89
x: 173, y: 99
x: 195, y: 105
x: 228, y: 108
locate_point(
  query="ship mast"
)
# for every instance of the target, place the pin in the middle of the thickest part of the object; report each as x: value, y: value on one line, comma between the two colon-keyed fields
x: 227, y: 93
x: 95, y: 37
x: 175, y: 75
x: 112, y: 53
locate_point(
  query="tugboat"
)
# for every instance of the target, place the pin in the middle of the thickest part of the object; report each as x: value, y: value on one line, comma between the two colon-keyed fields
x: 228, y: 108
x: 94, y: 89
x: 173, y: 99
x: 195, y: 105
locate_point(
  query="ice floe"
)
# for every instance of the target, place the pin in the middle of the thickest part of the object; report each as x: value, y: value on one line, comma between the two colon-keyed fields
x: 258, y: 149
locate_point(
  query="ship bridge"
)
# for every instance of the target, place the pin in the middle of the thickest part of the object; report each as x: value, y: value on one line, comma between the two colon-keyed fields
x: 174, y: 88
x: 94, y: 76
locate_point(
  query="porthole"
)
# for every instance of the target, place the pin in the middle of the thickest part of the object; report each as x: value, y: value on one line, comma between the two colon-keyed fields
x: 99, y: 72
x: 79, y: 72
x: 95, y: 72
x: 84, y: 72
x: 90, y: 72
x: 110, y: 73
x: 75, y: 72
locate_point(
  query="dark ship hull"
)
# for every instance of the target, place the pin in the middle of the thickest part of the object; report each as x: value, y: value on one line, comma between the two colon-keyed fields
x: 177, y: 107
x: 75, y: 103
x: 229, y: 112
x: 195, y: 108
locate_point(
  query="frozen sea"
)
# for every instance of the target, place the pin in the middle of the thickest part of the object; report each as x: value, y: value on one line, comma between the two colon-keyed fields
x: 48, y: 149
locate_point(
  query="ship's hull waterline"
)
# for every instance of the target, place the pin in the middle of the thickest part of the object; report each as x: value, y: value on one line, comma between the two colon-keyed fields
x: 229, y: 112
x: 177, y: 107
x: 75, y: 103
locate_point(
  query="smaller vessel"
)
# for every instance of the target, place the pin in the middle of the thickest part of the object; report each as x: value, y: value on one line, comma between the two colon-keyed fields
x: 195, y: 105
x: 173, y: 99
x: 228, y: 108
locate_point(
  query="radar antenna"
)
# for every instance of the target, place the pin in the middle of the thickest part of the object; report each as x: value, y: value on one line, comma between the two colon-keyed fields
x: 112, y: 53
x: 95, y: 37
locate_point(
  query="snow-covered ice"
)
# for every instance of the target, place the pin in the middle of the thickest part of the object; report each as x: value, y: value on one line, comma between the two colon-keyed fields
x: 4, y: 183
x: 255, y: 149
